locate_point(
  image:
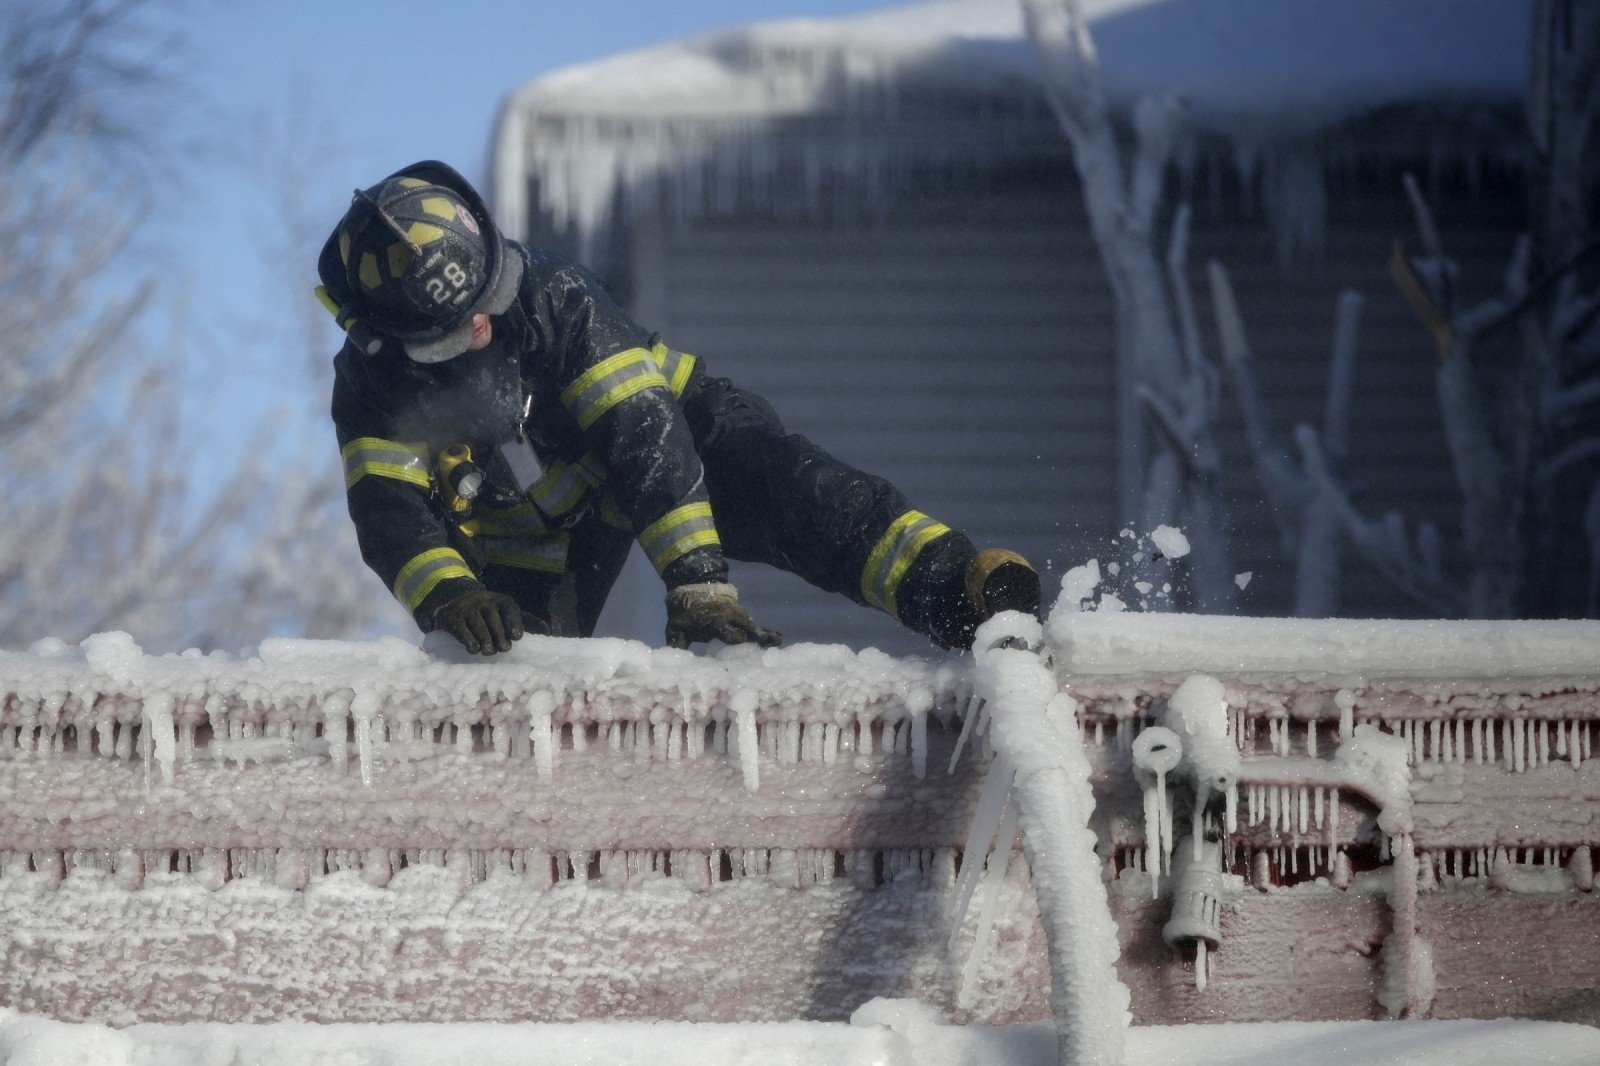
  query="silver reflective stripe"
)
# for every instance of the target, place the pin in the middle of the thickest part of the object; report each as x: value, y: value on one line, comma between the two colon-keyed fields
x: 677, y: 533
x: 385, y: 458
x: 563, y: 485
x: 424, y: 572
x: 675, y: 366
x: 608, y: 383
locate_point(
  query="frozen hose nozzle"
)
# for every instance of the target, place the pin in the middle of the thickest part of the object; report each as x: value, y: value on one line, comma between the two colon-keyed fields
x: 1157, y: 750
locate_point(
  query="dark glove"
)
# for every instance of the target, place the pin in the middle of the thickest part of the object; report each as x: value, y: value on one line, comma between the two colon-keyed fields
x: 711, y: 611
x: 484, y: 621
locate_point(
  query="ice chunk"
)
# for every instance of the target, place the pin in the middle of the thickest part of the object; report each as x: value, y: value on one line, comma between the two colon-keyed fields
x: 1170, y: 542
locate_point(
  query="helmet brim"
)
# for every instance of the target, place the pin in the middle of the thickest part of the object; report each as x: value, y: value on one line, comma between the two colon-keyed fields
x: 456, y: 341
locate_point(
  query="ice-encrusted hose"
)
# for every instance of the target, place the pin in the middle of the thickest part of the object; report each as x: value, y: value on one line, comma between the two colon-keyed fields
x: 1033, y: 728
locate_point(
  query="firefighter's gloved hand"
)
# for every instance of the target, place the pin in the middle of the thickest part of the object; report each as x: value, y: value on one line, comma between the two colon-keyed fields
x: 711, y: 611
x: 484, y: 621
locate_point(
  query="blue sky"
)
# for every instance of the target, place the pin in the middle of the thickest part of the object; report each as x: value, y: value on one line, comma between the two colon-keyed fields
x: 343, y: 93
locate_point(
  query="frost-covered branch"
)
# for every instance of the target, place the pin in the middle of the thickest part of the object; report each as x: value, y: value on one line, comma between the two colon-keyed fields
x: 1413, y: 570
x: 1167, y: 455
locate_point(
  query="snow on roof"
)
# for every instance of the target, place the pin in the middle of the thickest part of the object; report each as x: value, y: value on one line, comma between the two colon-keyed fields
x: 1249, y: 69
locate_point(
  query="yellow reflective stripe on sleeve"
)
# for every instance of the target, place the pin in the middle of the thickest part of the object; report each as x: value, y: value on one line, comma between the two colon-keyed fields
x: 423, y: 573
x: 608, y: 383
x: 677, y: 533
x: 675, y: 366
x: 547, y: 554
x: 385, y: 458
x: 893, y: 556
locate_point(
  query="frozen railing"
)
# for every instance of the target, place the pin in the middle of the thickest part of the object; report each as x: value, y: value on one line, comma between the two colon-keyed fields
x: 814, y: 784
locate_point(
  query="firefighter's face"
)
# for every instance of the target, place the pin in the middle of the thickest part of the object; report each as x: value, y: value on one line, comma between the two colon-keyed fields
x: 482, y: 333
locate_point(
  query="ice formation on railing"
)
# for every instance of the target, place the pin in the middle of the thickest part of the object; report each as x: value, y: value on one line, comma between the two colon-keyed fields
x: 389, y: 701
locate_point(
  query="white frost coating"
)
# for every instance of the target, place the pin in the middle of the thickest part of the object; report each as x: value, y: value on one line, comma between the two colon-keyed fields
x: 1157, y: 751
x: 742, y: 703
x: 1197, y: 711
x: 1052, y: 793
x: 1378, y: 760
x: 1077, y: 585
x: 1122, y: 644
x: 1402, y: 984
x: 1170, y: 542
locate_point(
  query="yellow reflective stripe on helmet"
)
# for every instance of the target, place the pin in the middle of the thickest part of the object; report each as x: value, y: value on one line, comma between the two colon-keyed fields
x: 423, y: 573
x: 385, y: 458
x: 675, y: 366
x: 609, y: 382
x: 546, y: 554
x: 893, y: 555
x: 439, y: 207
x: 677, y: 533
x: 423, y: 233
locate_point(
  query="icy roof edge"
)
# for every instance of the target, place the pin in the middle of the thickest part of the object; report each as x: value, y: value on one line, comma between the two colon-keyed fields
x: 1129, y: 644
x: 1251, y: 69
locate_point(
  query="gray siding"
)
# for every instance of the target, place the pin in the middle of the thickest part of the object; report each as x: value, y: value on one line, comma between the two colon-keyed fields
x: 961, y: 347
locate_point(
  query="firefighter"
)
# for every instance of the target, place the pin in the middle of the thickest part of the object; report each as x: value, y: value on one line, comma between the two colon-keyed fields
x: 460, y: 342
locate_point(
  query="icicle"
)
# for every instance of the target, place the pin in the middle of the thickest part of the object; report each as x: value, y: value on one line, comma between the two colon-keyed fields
x: 1319, y: 801
x: 1562, y: 747
x: 1200, y: 965
x: 919, y: 704
x: 994, y: 883
x: 830, y: 744
x: 1197, y: 824
x: 1230, y: 811
x: 540, y: 707
x: 1311, y: 738
x: 1274, y: 795
x: 1333, y: 819
x: 1255, y: 804
x: 1345, y: 700
x: 863, y: 735
x: 363, y: 709
x: 1153, y: 839
x: 743, y: 704
x: 163, y: 741
x: 1436, y: 734
x: 1580, y: 734
x: 988, y: 817
x: 1305, y: 810
x: 1544, y: 742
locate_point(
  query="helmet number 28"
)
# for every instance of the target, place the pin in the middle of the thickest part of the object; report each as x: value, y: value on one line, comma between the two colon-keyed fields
x: 457, y: 278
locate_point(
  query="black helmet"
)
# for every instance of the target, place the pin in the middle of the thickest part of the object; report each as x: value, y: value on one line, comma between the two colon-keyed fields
x: 413, y: 259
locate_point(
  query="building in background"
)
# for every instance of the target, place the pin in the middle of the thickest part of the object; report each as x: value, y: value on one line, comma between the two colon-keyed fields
x: 875, y: 222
